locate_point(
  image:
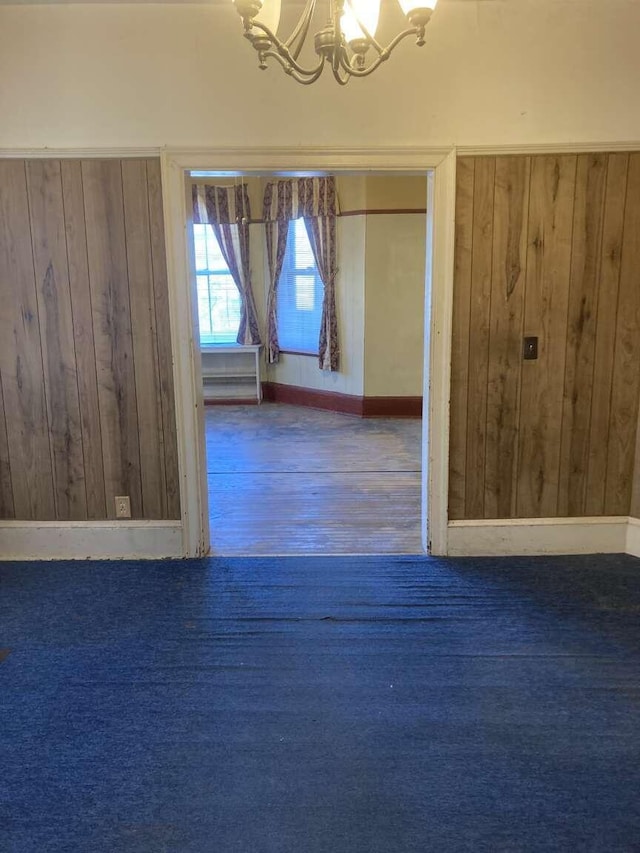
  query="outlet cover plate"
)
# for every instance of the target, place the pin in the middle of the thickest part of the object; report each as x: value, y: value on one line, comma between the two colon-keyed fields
x: 123, y: 506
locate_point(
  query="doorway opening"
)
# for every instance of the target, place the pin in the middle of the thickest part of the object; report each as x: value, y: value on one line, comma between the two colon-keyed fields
x: 439, y: 166
x: 299, y: 473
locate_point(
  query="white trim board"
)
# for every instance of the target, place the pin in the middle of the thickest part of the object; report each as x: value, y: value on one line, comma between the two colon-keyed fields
x: 287, y: 160
x: 77, y: 153
x: 633, y: 537
x: 117, y: 540
x: 440, y: 249
x: 549, y: 148
x: 90, y: 540
x: 529, y: 536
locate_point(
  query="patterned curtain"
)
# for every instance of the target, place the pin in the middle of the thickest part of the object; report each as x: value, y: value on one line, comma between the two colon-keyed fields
x: 314, y: 199
x: 322, y: 237
x: 226, y: 210
x: 276, y: 234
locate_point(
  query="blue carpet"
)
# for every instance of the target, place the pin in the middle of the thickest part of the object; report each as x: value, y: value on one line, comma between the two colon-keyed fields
x: 342, y: 705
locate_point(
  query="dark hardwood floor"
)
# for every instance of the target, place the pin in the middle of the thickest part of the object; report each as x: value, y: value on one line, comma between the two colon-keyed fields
x: 290, y: 480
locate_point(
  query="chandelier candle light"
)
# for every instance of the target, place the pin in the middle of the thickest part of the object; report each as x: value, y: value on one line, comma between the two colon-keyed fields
x: 347, y: 42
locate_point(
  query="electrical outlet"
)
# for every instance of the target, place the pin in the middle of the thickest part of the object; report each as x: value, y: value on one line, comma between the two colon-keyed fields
x: 123, y: 506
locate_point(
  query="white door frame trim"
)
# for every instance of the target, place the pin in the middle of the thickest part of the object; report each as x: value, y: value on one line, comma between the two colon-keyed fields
x: 188, y: 387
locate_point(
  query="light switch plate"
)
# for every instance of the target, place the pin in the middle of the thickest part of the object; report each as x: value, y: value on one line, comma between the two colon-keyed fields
x: 530, y: 348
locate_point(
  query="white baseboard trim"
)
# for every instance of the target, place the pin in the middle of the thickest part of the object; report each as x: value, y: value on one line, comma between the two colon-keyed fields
x: 528, y: 536
x: 633, y: 537
x: 90, y: 540
x: 136, y: 540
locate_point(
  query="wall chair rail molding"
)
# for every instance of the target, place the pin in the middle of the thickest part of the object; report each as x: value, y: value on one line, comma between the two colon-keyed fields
x: 548, y: 148
x: 78, y: 153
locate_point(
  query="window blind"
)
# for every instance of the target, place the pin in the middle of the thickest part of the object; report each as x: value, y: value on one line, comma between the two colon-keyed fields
x: 300, y: 294
x: 219, y: 303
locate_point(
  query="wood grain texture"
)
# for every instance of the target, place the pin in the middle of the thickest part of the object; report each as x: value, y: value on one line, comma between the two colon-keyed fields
x: 609, y: 282
x: 556, y: 436
x: 480, y: 310
x: 289, y: 480
x: 465, y: 174
x: 586, y: 251
x: 48, y: 242
x: 21, y: 354
x: 91, y: 431
x: 634, y: 510
x: 6, y: 488
x: 163, y: 340
x: 505, y: 344
x: 144, y: 336
x: 86, y: 386
x: 108, y: 275
x: 551, y: 199
x: 625, y: 387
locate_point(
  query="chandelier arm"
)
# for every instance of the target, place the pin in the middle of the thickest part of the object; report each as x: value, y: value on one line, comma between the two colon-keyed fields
x: 364, y: 72
x: 304, y: 80
x: 296, y: 40
x: 293, y: 68
x: 282, y: 53
x: 410, y: 31
x: 342, y: 80
x: 383, y: 55
x: 307, y: 80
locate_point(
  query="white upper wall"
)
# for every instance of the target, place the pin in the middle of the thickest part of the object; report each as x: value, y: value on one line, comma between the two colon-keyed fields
x: 492, y: 72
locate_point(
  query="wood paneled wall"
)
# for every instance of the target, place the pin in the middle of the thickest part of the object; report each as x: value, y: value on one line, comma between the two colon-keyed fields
x: 87, y: 403
x: 546, y: 246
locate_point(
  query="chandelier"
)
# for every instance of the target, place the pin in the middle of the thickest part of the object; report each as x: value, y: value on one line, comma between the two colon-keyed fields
x: 347, y: 42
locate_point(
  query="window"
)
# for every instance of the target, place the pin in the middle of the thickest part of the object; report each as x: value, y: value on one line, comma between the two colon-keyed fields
x: 219, y: 303
x: 300, y: 294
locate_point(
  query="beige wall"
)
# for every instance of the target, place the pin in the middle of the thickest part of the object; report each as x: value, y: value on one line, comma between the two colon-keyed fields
x: 394, y: 304
x: 394, y: 290
x: 491, y: 72
x: 403, y: 192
